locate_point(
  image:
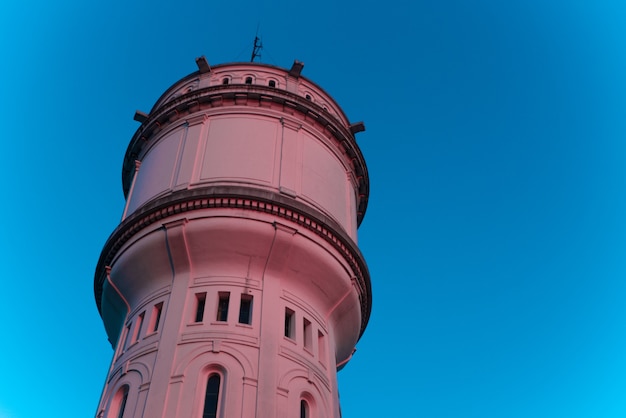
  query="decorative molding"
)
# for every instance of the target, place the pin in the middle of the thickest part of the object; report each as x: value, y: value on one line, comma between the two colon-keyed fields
x: 214, y: 281
x: 239, y: 198
x: 217, y: 337
x: 311, y: 370
x: 179, y: 378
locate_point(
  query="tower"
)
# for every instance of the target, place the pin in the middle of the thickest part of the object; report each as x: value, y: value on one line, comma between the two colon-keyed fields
x: 233, y: 286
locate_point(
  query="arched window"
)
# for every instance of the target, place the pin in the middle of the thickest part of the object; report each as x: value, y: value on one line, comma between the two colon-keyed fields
x: 272, y: 83
x: 304, y: 409
x: 225, y: 80
x: 118, y: 405
x: 248, y: 80
x: 211, y: 397
x: 123, y: 405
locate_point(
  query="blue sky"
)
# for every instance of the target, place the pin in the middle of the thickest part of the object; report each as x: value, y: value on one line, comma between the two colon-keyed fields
x: 496, y: 229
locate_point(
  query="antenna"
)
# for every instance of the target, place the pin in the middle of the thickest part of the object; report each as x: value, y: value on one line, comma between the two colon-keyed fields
x: 257, y: 46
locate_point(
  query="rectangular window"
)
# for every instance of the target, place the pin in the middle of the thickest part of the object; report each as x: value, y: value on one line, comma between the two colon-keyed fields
x: 289, y: 320
x: 127, y: 337
x: 137, y: 333
x: 200, y: 303
x: 321, y: 346
x: 222, y: 306
x: 245, y: 310
x: 307, y: 332
x: 156, y: 317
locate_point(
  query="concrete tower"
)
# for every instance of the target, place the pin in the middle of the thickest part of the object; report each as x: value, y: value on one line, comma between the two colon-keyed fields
x: 233, y: 287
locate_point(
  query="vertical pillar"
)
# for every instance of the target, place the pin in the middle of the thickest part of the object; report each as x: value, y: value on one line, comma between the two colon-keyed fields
x: 158, y: 401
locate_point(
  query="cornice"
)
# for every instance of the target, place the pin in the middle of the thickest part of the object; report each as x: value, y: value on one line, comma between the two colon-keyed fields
x: 240, y: 198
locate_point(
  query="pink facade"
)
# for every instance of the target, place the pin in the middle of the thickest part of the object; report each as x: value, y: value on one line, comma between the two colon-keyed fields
x: 233, y: 286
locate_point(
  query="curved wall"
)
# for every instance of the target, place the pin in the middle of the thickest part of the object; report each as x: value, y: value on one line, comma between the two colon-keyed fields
x: 236, y: 259
x: 248, y: 149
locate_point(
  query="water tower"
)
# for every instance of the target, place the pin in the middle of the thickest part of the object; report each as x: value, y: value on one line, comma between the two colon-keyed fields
x: 233, y: 286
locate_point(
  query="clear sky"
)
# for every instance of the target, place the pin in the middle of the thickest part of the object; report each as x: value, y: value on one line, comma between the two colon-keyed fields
x: 496, y: 229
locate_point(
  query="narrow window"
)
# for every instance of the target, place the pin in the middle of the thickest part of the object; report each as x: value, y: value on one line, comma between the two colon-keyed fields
x: 245, y: 310
x: 248, y: 80
x: 272, y: 83
x: 308, y: 334
x: 127, y: 337
x: 211, y: 396
x: 225, y: 80
x: 222, y: 306
x: 304, y: 409
x: 123, y: 404
x: 200, y: 303
x: 321, y: 346
x: 137, y: 333
x: 118, y: 404
x: 156, y: 316
x: 289, y: 319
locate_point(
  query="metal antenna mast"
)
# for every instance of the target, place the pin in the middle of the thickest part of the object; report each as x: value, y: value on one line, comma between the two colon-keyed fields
x: 256, y: 48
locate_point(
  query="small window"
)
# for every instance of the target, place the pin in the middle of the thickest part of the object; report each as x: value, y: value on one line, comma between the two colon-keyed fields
x: 248, y: 80
x: 200, y: 304
x: 127, y: 337
x: 211, y: 396
x: 225, y: 80
x: 289, y: 320
x: 222, y: 306
x: 308, y: 334
x: 245, y: 310
x: 156, y: 316
x: 321, y: 346
x: 304, y: 409
x: 137, y: 333
x: 272, y: 83
x: 307, y: 96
